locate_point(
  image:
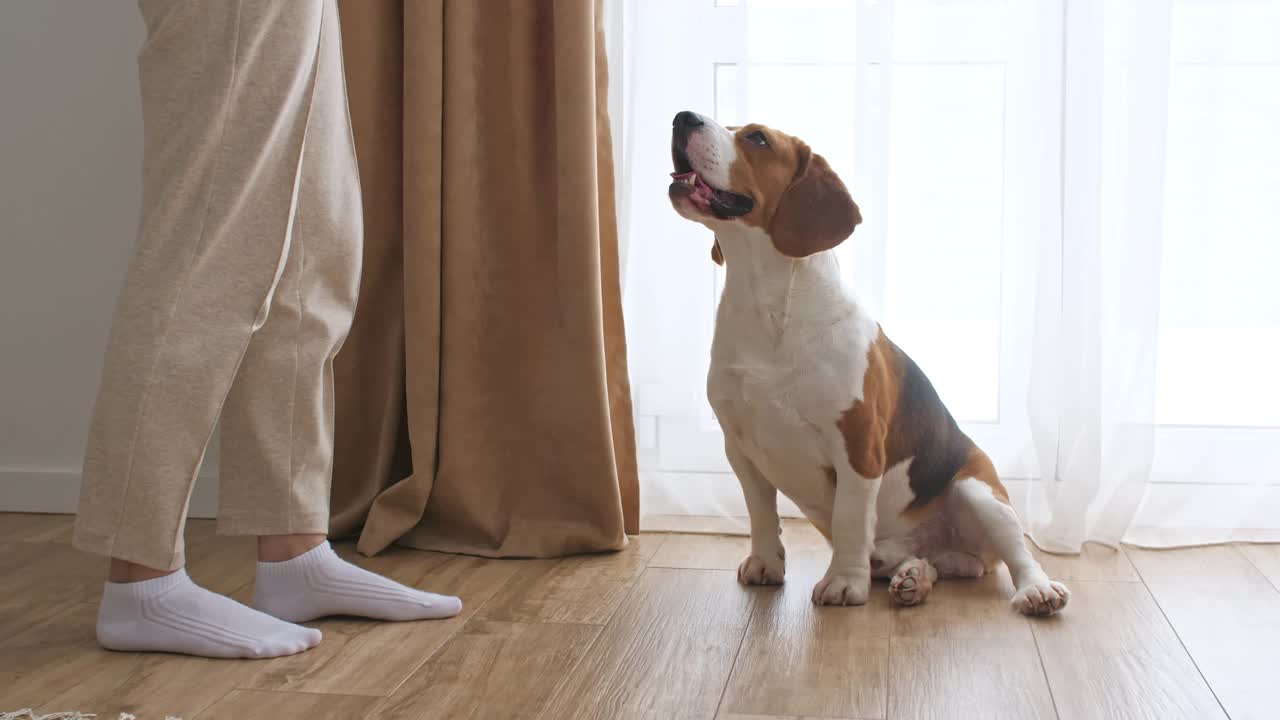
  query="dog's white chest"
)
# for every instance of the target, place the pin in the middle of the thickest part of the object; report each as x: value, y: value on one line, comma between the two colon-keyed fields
x: 779, y: 397
x: 768, y: 405
x: 775, y: 429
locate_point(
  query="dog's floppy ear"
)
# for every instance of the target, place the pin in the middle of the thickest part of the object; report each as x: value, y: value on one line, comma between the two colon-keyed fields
x: 717, y: 257
x: 816, y: 212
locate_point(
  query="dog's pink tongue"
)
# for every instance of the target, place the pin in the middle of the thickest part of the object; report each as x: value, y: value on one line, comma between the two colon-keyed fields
x: 701, y: 189
x: 702, y: 192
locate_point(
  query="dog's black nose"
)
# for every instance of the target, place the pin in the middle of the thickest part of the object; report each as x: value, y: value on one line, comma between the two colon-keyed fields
x: 687, y: 119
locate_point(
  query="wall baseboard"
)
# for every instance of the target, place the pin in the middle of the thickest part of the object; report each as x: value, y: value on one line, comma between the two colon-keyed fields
x: 58, y: 491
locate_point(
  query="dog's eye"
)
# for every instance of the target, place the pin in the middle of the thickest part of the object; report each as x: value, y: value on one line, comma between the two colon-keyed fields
x: 758, y: 138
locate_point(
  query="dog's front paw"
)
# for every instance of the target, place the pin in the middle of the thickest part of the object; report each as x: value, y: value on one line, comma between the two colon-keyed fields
x: 756, y: 571
x: 842, y: 589
x: 1043, y: 597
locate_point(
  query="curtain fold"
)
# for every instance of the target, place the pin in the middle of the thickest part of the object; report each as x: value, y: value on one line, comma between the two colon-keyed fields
x: 483, y: 404
x: 1093, y: 391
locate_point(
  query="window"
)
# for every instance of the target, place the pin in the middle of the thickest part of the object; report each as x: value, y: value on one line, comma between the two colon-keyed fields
x: 969, y: 132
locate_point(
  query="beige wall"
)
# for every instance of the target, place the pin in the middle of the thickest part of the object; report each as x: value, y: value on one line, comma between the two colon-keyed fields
x: 70, y: 144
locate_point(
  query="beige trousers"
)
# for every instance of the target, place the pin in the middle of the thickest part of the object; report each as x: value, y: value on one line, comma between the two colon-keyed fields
x: 243, y: 282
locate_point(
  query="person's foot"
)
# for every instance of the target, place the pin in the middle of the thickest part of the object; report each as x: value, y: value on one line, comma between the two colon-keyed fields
x: 319, y: 583
x: 173, y: 614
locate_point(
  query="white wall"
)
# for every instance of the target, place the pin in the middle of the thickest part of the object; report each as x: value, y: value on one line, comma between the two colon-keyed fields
x: 70, y: 158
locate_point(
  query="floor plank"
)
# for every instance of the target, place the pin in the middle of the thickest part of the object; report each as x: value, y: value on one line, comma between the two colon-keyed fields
x: 263, y: 705
x: 807, y: 550
x: 739, y: 716
x: 602, y: 637
x: 665, y: 655
x: 33, y: 608
x: 14, y: 555
x: 57, y: 570
x: 585, y: 589
x: 224, y: 565
x: 1112, y: 654
x: 52, y: 655
x: 492, y: 671
x: 1095, y: 562
x: 31, y: 527
x: 966, y: 653
x: 50, y: 570
x: 799, y: 660
x: 965, y: 677
x: 1227, y: 615
x: 702, y: 552
x: 65, y: 670
x: 156, y: 686
x: 362, y: 657
x: 12, y: 698
x: 965, y: 609
x: 1266, y: 558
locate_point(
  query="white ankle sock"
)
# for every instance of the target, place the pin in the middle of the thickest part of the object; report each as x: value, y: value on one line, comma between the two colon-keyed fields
x: 173, y: 614
x: 319, y: 583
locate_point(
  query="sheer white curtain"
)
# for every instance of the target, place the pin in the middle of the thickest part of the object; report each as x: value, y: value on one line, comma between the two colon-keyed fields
x: 1082, y: 195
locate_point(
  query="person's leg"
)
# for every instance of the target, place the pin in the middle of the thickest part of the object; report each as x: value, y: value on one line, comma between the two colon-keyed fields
x: 277, y: 425
x: 226, y: 91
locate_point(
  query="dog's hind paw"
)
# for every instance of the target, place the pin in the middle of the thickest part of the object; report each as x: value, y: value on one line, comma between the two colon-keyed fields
x: 912, y: 582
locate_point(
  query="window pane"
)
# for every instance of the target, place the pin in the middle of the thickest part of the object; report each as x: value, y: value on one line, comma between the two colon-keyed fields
x: 1220, y: 306
x: 800, y: 31
x: 812, y: 102
x: 946, y: 197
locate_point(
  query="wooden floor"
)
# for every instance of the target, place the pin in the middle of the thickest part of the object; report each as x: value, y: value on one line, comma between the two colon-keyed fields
x: 662, y: 631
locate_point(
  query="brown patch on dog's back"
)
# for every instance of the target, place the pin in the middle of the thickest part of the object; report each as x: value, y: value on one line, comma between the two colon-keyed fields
x: 979, y: 467
x: 900, y: 416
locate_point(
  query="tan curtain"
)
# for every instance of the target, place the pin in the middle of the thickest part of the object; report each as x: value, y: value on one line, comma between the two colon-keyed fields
x: 483, y: 404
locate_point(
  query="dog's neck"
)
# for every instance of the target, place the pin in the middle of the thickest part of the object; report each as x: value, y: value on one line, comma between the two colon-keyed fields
x: 775, y: 293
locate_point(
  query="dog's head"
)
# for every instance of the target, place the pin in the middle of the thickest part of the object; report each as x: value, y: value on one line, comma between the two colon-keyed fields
x: 754, y: 175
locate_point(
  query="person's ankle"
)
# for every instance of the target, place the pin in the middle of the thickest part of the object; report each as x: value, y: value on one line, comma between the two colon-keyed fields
x: 123, y: 571
x: 279, y: 548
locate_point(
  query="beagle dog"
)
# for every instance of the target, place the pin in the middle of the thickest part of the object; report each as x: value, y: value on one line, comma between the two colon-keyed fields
x: 814, y: 399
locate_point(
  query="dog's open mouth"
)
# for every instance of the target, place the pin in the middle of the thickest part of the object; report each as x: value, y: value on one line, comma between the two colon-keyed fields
x: 723, y: 204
